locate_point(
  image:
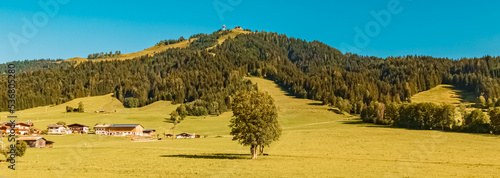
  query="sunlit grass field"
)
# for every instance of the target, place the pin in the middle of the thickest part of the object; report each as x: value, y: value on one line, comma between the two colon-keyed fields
x: 447, y: 94
x: 316, y: 142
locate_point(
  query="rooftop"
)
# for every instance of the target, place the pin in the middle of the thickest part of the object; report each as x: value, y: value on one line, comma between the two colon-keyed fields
x: 125, y: 125
x: 30, y: 138
x: 77, y: 125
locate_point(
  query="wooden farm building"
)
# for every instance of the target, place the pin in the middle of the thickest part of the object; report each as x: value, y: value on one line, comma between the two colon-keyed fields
x: 101, y: 129
x: 78, y: 128
x: 148, y: 132
x: 125, y: 129
x: 37, y: 142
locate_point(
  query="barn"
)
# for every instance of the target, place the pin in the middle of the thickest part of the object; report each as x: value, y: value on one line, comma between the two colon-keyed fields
x: 148, y: 132
x: 36, y: 142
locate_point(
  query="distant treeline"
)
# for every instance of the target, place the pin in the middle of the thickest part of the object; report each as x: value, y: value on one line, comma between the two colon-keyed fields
x: 171, y: 41
x: 34, y: 65
x: 206, y: 82
x: 104, y: 55
x: 429, y: 116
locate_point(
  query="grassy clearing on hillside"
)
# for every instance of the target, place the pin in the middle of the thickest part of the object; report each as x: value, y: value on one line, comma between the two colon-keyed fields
x: 160, y: 48
x: 148, y: 51
x: 447, y: 94
x: 232, y: 34
x: 316, y: 142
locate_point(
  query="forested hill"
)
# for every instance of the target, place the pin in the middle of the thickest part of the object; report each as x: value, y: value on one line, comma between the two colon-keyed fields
x: 34, y: 65
x: 206, y: 82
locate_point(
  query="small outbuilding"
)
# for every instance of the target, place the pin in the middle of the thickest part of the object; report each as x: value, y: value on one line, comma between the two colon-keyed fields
x: 148, y: 132
x: 37, y: 142
x: 185, y: 135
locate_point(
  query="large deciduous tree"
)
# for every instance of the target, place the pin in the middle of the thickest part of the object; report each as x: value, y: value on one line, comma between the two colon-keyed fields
x: 255, y: 121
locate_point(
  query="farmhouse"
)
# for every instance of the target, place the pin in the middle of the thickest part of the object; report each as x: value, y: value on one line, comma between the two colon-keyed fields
x: 125, y: 129
x: 58, y: 129
x: 101, y: 129
x: 185, y: 135
x: 4, y: 129
x: 21, y: 128
x: 37, y: 142
x: 148, y: 132
x: 79, y: 128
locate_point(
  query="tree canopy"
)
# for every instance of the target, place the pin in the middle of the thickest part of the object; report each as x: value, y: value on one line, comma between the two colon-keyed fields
x: 255, y: 121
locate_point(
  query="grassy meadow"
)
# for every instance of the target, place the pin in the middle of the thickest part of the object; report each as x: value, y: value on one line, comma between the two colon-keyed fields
x: 447, y: 94
x: 316, y: 142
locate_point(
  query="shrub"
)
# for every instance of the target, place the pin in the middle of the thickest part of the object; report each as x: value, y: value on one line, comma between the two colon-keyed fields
x: 495, y: 120
x: 131, y: 102
x: 476, y: 122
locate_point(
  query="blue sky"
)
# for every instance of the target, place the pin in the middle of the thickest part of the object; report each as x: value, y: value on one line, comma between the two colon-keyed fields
x: 446, y: 28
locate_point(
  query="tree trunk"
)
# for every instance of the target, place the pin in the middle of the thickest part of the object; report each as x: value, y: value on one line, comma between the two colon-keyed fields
x: 173, y: 132
x: 253, y: 150
x: 261, y: 150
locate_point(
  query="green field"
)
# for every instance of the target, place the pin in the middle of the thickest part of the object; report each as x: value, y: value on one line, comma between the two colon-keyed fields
x: 446, y: 94
x: 316, y: 142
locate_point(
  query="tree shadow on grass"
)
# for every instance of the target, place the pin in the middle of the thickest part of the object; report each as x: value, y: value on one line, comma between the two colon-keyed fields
x: 315, y: 104
x: 210, y: 156
x: 353, y: 122
x: 336, y: 111
x: 363, y: 124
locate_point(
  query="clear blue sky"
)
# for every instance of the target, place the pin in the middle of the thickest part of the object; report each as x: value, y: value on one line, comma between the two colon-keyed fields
x: 444, y: 28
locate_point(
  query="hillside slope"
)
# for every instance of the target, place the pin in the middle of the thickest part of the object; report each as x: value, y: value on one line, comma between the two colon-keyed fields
x: 160, y: 48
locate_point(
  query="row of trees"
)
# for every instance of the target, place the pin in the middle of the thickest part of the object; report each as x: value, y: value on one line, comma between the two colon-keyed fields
x: 104, y: 55
x: 79, y: 109
x: 34, y: 65
x: 429, y: 116
x: 170, y: 41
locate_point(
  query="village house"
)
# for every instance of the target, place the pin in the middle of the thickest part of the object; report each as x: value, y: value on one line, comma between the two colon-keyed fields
x: 169, y: 135
x: 4, y: 128
x: 238, y: 27
x: 58, y: 129
x: 37, y: 142
x: 79, y: 128
x: 148, y: 132
x: 101, y: 129
x: 21, y: 128
x: 125, y: 129
x: 185, y: 135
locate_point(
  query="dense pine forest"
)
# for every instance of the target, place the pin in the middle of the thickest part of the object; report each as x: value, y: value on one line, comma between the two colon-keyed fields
x: 206, y: 82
